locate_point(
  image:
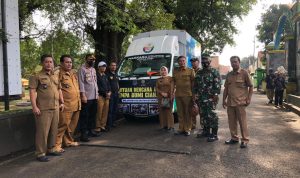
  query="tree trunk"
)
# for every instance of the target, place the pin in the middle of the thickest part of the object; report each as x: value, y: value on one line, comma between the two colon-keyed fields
x: 108, y: 43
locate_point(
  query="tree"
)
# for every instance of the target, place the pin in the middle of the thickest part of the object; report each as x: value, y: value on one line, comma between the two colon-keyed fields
x: 30, y: 57
x: 62, y: 42
x: 269, y: 22
x: 210, y: 22
x: 110, y: 22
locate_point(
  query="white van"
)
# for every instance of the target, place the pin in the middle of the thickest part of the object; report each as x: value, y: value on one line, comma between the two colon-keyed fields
x: 139, y: 70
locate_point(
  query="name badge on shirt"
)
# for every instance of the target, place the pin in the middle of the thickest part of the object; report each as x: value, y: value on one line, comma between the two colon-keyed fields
x: 88, y: 77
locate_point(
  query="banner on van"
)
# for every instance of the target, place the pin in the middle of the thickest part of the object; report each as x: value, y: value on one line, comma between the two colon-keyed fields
x: 138, y: 97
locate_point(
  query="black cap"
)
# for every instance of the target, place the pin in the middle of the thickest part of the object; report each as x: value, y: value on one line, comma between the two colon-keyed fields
x: 194, y: 59
x: 205, y: 56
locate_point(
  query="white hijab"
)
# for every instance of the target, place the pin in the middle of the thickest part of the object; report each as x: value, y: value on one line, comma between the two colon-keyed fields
x: 163, y: 67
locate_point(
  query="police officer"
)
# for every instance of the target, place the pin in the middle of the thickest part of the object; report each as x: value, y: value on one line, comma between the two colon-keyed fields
x: 46, y: 99
x: 206, y: 89
x: 183, y: 80
x: 87, y: 80
x: 69, y: 117
x: 196, y: 67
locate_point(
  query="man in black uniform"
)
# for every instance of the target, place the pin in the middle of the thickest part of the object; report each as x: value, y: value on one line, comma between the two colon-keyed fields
x: 114, y: 98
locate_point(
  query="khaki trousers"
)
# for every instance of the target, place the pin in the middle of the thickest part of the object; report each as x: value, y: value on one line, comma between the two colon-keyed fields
x: 270, y: 94
x: 166, y: 118
x: 102, y: 113
x: 67, y: 124
x: 184, y: 105
x: 46, y: 130
x: 238, y: 114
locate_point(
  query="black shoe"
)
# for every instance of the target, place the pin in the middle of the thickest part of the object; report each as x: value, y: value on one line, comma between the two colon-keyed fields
x: 55, y: 153
x: 271, y: 101
x: 94, y: 133
x: 243, y: 145
x: 84, y: 139
x: 187, y: 133
x: 42, y: 159
x: 202, y: 134
x: 178, y: 133
x: 104, y: 130
x: 212, y: 138
x: 170, y: 130
x: 231, y: 142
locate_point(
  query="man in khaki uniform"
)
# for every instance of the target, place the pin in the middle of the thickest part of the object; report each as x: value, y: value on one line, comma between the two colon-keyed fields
x: 183, y: 80
x: 46, y: 99
x: 69, y: 117
x: 195, y: 65
x: 237, y: 96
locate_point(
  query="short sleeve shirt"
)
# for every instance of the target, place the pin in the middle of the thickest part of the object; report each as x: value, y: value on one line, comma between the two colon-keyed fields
x: 47, y: 87
x: 183, y: 79
x: 88, y: 82
x: 237, y: 84
x: 70, y: 90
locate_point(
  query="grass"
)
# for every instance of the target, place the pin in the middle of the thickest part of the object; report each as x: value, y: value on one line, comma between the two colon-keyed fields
x: 13, y: 104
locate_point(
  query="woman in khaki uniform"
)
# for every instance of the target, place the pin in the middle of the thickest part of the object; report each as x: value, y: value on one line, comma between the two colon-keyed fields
x: 165, y: 89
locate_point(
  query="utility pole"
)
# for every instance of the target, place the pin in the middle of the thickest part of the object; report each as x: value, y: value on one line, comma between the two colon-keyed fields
x: 5, y: 62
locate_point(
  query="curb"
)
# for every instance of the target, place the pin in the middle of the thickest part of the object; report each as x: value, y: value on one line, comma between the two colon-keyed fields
x: 292, y: 108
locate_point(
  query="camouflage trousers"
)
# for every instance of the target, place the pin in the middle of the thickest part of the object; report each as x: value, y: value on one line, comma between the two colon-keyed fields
x: 209, y: 117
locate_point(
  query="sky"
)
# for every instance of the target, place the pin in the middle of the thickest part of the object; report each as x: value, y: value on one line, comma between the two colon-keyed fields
x: 244, y: 40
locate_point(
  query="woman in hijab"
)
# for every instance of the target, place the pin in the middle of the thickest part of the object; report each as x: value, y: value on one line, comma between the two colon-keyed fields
x: 165, y: 94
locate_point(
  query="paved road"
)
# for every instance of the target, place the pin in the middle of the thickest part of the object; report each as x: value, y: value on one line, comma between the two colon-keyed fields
x: 139, y: 149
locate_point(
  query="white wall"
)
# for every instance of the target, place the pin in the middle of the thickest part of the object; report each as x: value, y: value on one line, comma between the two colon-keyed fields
x: 13, y: 50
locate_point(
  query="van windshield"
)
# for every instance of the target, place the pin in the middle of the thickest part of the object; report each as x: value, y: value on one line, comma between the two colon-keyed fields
x: 144, y: 65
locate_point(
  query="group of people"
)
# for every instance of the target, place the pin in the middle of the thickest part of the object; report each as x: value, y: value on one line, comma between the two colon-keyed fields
x: 275, y: 85
x: 201, y: 87
x: 64, y: 99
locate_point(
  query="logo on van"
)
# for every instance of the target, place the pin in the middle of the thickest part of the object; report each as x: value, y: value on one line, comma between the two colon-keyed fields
x: 148, y: 48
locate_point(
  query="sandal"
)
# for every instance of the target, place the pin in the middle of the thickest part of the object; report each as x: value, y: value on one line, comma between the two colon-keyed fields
x: 73, y: 144
x: 60, y: 150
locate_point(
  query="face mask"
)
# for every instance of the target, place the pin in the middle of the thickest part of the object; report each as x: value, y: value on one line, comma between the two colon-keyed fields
x: 91, y: 63
x: 205, y: 64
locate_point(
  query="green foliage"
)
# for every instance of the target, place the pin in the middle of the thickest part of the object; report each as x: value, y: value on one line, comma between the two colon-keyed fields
x: 3, y: 35
x: 269, y: 22
x: 62, y: 42
x: 110, y: 23
x: 150, y: 15
x: 30, y: 57
x: 211, y: 22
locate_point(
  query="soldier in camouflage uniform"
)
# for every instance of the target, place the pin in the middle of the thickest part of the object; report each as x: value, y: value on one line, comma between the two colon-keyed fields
x: 206, y: 89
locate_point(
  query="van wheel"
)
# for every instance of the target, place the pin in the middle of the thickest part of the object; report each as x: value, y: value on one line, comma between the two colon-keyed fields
x: 175, y: 115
